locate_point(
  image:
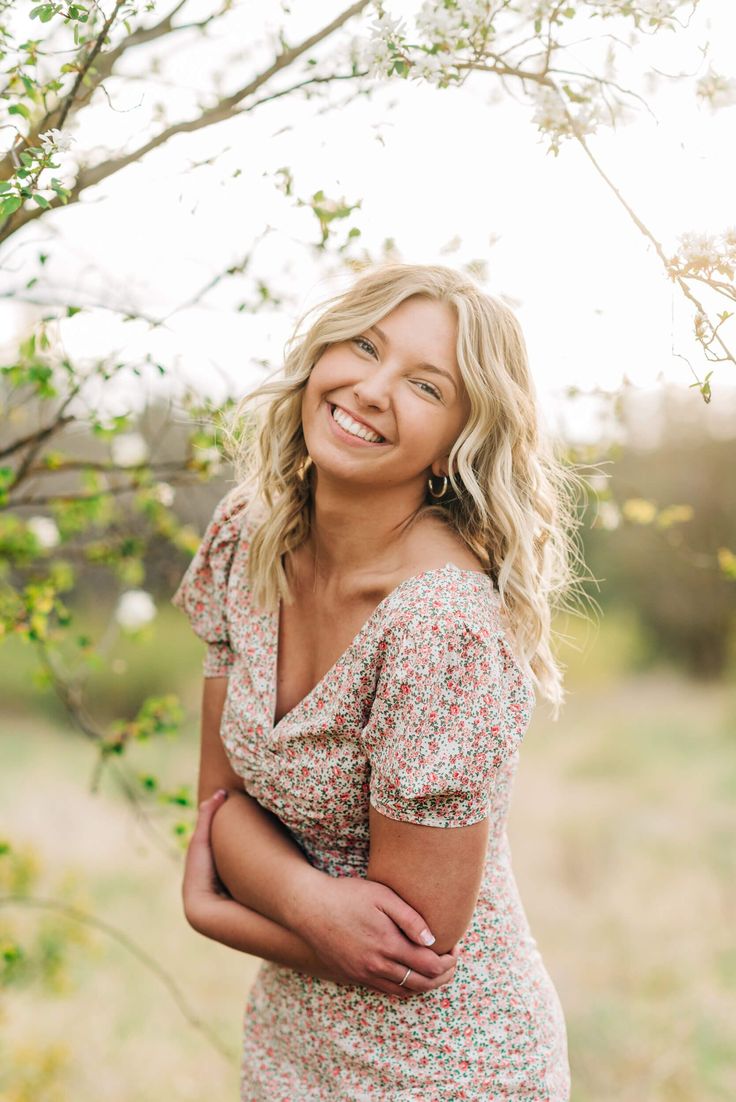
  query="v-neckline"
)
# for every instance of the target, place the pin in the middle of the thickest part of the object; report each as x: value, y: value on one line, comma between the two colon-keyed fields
x: 275, y: 617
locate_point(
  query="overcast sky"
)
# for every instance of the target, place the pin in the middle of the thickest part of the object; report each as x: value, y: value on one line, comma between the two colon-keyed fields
x: 431, y: 167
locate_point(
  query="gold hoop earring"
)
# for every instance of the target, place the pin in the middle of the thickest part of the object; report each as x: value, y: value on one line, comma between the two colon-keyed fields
x: 443, y: 491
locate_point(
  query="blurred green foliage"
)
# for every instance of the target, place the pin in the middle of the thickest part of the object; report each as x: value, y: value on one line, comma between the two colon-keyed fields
x: 662, y: 538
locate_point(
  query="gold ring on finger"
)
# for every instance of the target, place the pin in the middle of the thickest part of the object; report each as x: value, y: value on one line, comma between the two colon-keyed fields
x: 406, y: 977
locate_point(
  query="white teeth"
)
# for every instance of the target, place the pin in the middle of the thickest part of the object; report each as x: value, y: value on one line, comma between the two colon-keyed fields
x: 347, y: 423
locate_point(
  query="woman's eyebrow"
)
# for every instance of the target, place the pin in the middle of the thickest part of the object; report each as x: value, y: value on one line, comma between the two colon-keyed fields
x: 426, y: 366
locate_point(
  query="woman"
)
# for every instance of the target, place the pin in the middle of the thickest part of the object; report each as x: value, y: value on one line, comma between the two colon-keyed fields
x: 376, y: 598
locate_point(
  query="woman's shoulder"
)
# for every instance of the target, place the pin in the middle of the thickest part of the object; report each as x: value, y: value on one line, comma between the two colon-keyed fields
x: 224, y: 539
x: 231, y: 524
x: 436, y: 542
x: 452, y: 604
x: 456, y: 615
x: 440, y: 574
x: 233, y: 509
x: 448, y: 596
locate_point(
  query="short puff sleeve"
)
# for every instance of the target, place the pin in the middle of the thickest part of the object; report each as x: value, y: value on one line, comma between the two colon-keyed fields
x: 203, y: 591
x: 441, y: 723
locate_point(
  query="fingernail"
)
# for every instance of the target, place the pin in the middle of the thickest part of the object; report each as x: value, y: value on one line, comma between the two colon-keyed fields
x: 221, y: 792
x: 427, y: 938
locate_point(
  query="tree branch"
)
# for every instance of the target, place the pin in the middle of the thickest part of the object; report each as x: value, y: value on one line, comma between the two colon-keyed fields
x: 69, y: 692
x: 48, y: 499
x: 224, y: 110
x: 40, y: 435
x: 644, y: 229
x: 36, y: 445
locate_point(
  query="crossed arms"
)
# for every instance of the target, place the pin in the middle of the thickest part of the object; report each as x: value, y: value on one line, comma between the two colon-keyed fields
x: 346, y: 929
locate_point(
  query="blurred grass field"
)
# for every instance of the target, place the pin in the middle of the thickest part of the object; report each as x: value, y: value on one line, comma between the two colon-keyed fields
x: 621, y: 827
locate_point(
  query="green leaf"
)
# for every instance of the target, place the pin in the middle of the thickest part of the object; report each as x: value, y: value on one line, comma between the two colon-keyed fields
x: 7, y: 206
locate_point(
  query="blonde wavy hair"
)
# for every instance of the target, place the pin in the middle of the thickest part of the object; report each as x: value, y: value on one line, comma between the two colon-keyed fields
x: 513, y: 501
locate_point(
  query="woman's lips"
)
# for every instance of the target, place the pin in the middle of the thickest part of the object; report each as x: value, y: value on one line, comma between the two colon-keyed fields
x: 341, y: 434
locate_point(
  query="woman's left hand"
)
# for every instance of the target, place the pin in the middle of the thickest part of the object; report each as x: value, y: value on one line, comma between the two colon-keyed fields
x: 201, y: 885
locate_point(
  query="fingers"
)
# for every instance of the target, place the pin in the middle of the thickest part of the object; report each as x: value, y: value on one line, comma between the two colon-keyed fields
x: 209, y: 806
x: 199, y: 869
x: 424, y: 962
x: 207, y: 810
x: 414, y: 984
x: 407, y: 919
x: 417, y: 983
x: 405, y: 977
x: 396, y: 970
x: 199, y: 857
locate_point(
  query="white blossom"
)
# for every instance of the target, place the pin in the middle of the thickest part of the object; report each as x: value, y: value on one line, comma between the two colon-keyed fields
x: 375, y: 57
x: 212, y: 457
x: 609, y: 515
x: 659, y: 9
x: 135, y: 608
x: 383, y: 26
x: 45, y: 530
x: 129, y: 449
x: 164, y: 493
x: 655, y: 9
x: 550, y: 114
x: 440, y: 24
x: 54, y: 139
x: 718, y: 90
x: 698, y: 249
x: 376, y: 54
x: 432, y: 68
x: 530, y: 9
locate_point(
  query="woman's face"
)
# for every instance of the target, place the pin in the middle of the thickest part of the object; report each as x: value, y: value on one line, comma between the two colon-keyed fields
x: 383, y: 377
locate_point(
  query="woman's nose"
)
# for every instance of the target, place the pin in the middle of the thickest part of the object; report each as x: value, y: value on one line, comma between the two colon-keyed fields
x: 375, y: 391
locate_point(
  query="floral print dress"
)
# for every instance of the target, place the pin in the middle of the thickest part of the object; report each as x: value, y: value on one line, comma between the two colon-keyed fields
x: 422, y: 716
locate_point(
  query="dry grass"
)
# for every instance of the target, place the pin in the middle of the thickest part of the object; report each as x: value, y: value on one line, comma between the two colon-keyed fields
x: 622, y: 830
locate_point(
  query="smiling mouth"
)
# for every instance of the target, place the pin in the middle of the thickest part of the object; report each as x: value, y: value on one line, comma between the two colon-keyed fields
x: 356, y: 436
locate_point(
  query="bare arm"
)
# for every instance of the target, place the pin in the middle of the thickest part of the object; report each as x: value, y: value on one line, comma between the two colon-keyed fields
x: 257, y: 860
x: 438, y: 870
x: 355, y: 927
x: 232, y: 924
x: 236, y: 926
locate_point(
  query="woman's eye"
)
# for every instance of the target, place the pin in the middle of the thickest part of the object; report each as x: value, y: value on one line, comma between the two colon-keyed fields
x: 432, y: 390
x: 362, y: 340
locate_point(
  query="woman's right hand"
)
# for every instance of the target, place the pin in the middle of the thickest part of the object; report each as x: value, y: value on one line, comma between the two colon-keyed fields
x: 368, y: 935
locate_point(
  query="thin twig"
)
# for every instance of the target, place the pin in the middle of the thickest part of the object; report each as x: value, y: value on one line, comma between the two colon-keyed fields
x: 225, y: 109
x: 132, y: 947
x: 70, y: 694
